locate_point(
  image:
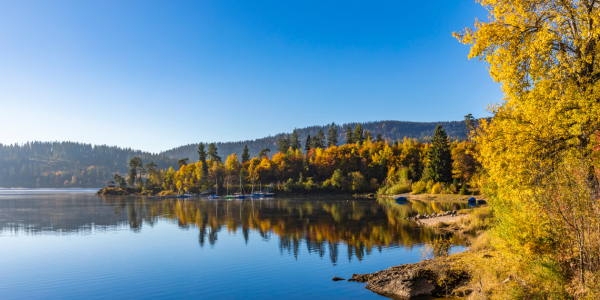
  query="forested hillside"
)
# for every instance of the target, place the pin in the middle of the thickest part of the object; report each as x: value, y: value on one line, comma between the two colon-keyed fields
x: 67, y: 164
x: 389, y: 130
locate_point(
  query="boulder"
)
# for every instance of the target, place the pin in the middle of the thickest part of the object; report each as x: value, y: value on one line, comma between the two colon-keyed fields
x: 406, y: 287
x: 335, y: 278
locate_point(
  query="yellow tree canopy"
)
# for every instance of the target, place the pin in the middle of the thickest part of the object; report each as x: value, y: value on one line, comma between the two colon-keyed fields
x: 545, y: 55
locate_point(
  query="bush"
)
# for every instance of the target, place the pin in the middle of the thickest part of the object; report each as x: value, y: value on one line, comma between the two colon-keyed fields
x: 453, y: 188
x: 419, y: 187
x: 463, y: 189
x: 437, y: 188
x: 400, y: 188
x: 289, y: 185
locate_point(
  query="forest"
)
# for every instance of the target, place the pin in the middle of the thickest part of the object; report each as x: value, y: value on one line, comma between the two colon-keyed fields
x: 364, y: 164
x: 389, y: 130
x: 67, y: 164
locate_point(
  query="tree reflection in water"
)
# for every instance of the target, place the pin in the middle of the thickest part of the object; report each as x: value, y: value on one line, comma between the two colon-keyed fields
x: 361, y: 225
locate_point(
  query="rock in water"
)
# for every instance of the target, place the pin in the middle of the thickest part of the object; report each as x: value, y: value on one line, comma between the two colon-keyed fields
x: 408, y: 286
x: 335, y: 278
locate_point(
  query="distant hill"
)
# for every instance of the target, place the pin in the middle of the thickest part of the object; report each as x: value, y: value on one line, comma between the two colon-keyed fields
x: 68, y: 164
x: 389, y: 130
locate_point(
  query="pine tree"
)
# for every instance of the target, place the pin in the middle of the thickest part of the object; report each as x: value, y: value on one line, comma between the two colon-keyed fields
x: 439, y: 167
x: 263, y: 152
x: 349, y: 136
x: 319, y: 140
x: 379, y: 138
x: 212, y: 153
x: 368, y: 136
x: 358, y: 136
x: 202, y: 159
x: 283, y: 143
x: 295, y: 141
x: 245, y: 154
x: 332, y: 139
x: 308, y: 144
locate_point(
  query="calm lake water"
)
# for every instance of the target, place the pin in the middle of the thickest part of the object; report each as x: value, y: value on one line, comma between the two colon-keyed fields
x: 72, y: 244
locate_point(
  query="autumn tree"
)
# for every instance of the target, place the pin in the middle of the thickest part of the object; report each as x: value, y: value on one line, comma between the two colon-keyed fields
x: 332, y: 139
x: 545, y: 55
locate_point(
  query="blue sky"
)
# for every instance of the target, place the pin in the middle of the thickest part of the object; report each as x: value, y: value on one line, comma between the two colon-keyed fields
x: 154, y: 75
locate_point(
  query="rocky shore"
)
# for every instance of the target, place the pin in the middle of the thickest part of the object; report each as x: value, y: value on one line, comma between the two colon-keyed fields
x: 445, y: 217
x: 433, y: 278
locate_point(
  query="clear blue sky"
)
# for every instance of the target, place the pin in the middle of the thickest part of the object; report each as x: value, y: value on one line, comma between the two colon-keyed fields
x: 154, y: 75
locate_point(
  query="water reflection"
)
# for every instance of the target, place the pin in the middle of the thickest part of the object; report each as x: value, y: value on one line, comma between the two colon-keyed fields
x: 322, y: 226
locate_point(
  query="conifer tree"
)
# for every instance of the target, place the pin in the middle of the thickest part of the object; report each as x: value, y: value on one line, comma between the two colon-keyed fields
x: 283, y: 143
x: 332, y: 139
x: 245, y: 154
x: 319, y: 140
x: 349, y: 136
x: 358, y: 136
x: 379, y: 138
x: 439, y: 167
x: 295, y: 141
x: 308, y: 144
x: 263, y: 152
x: 202, y: 158
x: 212, y: 153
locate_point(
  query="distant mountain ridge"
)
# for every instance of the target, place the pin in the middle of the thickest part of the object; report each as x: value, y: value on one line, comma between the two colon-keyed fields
x: 389, y: 130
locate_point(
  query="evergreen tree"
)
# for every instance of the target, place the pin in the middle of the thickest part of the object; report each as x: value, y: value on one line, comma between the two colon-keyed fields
x: 245, y: 154
x: 135, y: 167
x: 319, y: 140
x: 349, y: 136
x: 295, y: 141
x: 379, y: 138
x: 358, y: 136
x: 202, y: 159
x: 469, y: 123
x: 368, y: 136
x: 439, y: 167
x: 212, y: 153
x: 183, y: 162
x: 201, y: 153
x: 263, y: 152
x: 283, y: 143
x: 332, y: 139
x: 308, y: 144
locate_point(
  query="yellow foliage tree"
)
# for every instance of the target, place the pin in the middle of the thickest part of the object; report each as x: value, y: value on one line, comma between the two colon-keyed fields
x: 545, y: 55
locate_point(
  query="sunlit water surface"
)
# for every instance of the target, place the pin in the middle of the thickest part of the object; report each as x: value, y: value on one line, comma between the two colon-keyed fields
x: 72, y: 244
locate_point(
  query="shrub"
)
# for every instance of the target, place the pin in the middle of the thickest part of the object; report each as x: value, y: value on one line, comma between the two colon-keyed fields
x: 437, y: 188
x: 400, y: 188
x: 463, y: 189
x: 453, y: 189
x: 289, y: 185
x: 429, y: 185
x: 418, y: 187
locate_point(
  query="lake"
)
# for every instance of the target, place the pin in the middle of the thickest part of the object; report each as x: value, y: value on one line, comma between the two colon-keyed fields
x: 72, y: 244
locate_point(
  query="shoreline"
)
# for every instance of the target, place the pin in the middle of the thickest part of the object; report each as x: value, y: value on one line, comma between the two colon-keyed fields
x: 442, y: 277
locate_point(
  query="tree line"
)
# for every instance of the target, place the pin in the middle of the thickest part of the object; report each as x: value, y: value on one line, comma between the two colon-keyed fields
x: 363, y: 164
